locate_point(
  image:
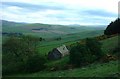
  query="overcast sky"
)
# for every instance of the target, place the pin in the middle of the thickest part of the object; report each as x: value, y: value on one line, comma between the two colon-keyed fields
x: 83, y: 12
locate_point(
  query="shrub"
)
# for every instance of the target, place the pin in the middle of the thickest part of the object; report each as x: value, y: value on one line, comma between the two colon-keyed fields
x: 11, y: 64
x: 84, y: 54
x: 95, y: 47
x: 34, y: 63
x: 80, y: 55
x: 18, y: 53
x: 116, y: 51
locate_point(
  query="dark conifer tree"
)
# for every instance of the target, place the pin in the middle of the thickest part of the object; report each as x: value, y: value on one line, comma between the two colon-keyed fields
x: 113, y: 28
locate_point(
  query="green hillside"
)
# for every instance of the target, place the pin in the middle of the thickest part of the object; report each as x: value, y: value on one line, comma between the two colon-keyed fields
x: 109, y: 44
x: 109, y: 69
x: 69, y: 35
x: 44, y: 30
x: 94, y: 70
x: 47, y: 46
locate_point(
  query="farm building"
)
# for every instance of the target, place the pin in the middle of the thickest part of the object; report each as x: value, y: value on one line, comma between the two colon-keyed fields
x: 58, y: 53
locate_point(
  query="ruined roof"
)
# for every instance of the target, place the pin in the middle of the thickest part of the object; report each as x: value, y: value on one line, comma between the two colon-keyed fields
x: 63, y: 50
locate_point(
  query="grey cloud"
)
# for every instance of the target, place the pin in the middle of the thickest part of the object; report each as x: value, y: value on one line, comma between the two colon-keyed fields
x: 34, y: 7
x: 101, y: 13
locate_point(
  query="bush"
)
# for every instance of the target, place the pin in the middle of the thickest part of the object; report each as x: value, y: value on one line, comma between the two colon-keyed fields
x: 11, y: 64
x: 35, y: 63
x: 95, y: 47
x: 80, y: 55
x: 84, y: 54
x: 116, y: 51
x: 18, y: 53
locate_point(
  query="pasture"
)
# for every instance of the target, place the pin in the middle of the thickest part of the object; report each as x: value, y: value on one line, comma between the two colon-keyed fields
x: 109, y: 69
x: 94, y: 70
x: 46, y: 46
x: 70, y: 36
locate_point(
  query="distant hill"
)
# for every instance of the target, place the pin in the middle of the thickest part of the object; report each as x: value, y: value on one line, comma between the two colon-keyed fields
x: 11, y: 24
x: 45, y: 30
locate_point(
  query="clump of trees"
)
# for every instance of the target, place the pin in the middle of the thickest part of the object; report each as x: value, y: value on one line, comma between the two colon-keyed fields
x: 84, y: 54
x: 59, y: 38
x: 95, y: 47
x: 113, y: 28
x: 21, y: 55
x: 78, y: 55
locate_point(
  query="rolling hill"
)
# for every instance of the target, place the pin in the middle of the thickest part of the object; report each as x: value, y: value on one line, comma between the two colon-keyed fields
x: 69, y: 35
x: 45, y: 30
x: 109, y: 69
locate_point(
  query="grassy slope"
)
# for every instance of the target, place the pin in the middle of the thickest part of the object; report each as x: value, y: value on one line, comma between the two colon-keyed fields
x: 109, y: 44
x: 95, y: 69
x: 52, y: 30
x: 75, y: 34
x: 27, y: 30
x: 45, y: 47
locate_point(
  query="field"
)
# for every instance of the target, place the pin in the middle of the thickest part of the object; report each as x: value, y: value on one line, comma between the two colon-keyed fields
x: 109, y: 69
x: 94, y: 70
x: 110, y: 44
x: 46, y: 46
x: 45, y: 30
x: 69, y: 35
